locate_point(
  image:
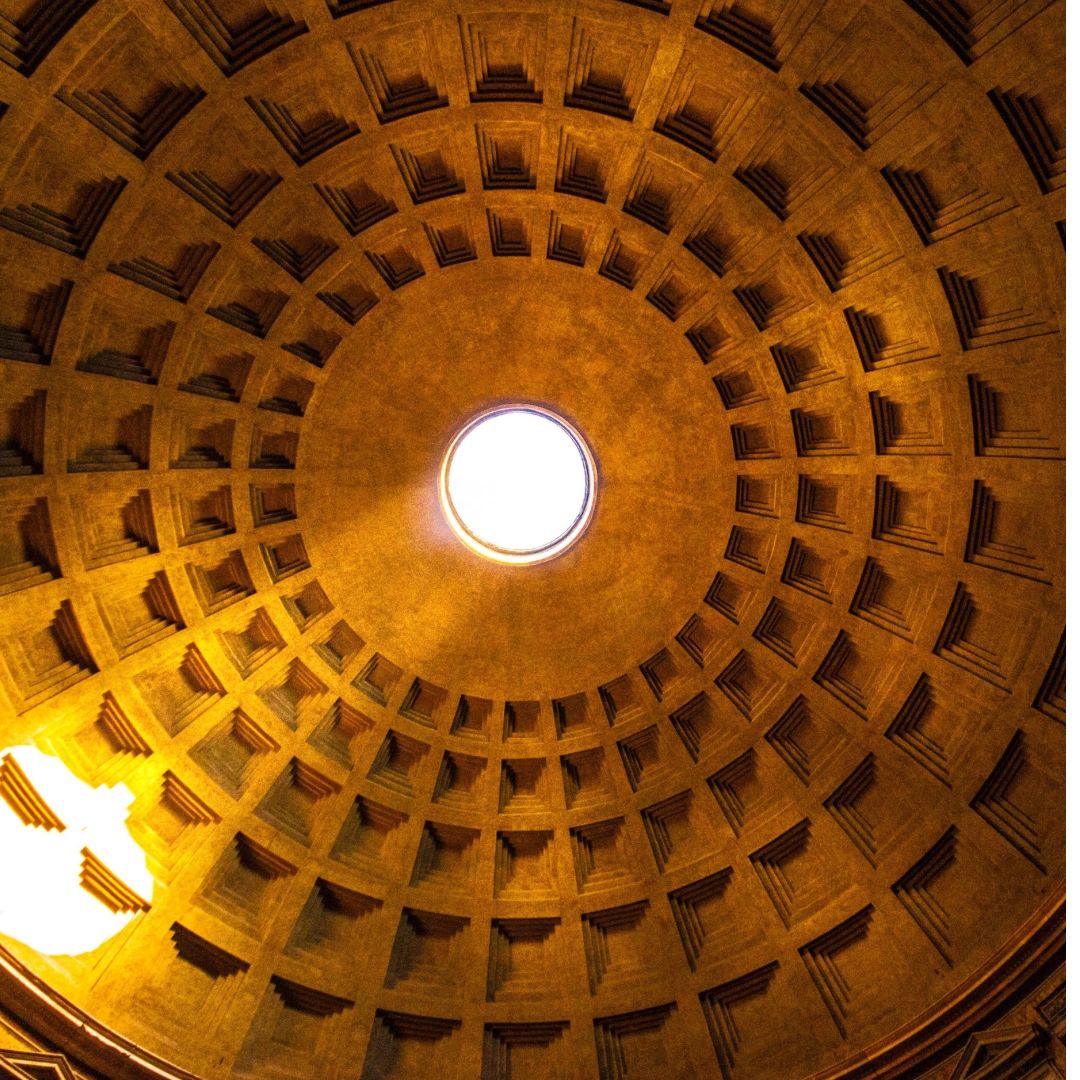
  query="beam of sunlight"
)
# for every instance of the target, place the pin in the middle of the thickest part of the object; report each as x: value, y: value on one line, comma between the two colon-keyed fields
x: 80, y: 878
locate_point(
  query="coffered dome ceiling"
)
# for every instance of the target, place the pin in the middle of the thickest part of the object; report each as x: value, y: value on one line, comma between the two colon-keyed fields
x: 764, y: 777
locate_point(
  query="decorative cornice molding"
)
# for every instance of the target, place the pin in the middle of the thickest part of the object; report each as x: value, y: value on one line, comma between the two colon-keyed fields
x: 60, y: 1024
x: 1013, y: 971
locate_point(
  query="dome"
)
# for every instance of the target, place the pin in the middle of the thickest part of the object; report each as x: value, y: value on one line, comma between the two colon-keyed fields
x: 755, y: 772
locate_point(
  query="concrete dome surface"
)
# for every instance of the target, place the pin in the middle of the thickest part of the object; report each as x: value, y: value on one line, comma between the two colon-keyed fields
x: 763, y: 776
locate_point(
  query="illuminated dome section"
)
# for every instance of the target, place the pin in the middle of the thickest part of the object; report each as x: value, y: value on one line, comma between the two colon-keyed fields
x: 73, y: 834
x: 518, y: 485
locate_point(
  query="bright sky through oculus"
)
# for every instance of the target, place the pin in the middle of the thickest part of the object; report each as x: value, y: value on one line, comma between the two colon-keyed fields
x: 519, y: 483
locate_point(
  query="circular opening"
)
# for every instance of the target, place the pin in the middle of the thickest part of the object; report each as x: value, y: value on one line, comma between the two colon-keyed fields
x: 517, y: 484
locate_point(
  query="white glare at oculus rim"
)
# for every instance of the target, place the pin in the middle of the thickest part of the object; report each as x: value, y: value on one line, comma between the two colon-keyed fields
x: 518, y: 483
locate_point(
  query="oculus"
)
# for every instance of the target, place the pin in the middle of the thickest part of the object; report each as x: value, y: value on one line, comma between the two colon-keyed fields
x: 518, y: 484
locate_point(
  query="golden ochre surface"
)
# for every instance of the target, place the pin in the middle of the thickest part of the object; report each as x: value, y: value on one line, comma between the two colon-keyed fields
x: 763, y: 775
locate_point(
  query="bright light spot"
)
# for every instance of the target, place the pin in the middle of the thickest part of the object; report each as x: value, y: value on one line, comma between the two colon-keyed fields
x: 42, y: 900
x: 518, y: 485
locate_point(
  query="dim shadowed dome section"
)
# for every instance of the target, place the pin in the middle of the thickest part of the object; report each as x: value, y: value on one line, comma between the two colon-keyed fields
x: 517, y: 485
